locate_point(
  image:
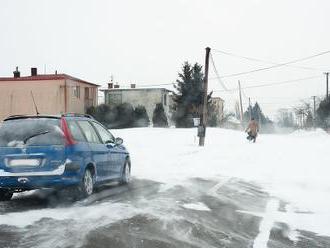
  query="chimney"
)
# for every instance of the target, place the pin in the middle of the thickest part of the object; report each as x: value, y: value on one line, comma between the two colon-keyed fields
x: 55, y: 72
x: 133, y: 86
x: 33, y: 71
x: 110, y: 85
x: 17, y: 73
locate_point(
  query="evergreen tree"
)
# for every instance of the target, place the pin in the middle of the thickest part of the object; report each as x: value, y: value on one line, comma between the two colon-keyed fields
x: 181, y: 99
x: 103, y: 113
x: 125, y: 115
x: 159, y: 118
x: 189, y: 96
x: 141, y: 118
x: 258, y: 115
x: 323, y: 114
x: 120, y: 116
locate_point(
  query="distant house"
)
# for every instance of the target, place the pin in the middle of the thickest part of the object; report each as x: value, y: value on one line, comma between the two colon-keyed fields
x: 147, y: 97
x: 53, y: 94
x: 218, y: 102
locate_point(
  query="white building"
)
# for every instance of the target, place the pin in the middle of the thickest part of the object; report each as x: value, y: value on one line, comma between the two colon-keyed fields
x: 147, y: 97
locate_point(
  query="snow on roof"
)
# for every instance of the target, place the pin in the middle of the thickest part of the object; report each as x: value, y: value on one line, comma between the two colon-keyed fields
x: 135, y: 89
x: 45, y: 77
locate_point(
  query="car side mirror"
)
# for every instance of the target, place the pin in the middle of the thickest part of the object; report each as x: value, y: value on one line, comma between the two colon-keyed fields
x: 119, y: 141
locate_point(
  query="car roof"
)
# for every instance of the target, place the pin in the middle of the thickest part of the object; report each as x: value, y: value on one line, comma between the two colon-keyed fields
x: 67, y: 115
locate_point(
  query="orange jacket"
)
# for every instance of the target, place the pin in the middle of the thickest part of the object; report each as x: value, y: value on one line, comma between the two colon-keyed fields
x: 253, y: 127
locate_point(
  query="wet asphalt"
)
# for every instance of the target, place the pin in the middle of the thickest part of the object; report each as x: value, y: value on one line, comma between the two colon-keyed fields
x: 149, y: 214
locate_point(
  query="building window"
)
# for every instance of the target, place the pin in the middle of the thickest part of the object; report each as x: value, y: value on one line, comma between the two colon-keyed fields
x: 114, y: 98
x: 165, y: 99
x: 87, y: 93
x: 76, y: 91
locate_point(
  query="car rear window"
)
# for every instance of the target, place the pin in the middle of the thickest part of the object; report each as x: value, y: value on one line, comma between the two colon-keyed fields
x: 31, y: 132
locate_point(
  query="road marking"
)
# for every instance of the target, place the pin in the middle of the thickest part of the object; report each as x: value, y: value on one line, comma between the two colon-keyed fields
x: 266, y: 224
x: 214, y: 189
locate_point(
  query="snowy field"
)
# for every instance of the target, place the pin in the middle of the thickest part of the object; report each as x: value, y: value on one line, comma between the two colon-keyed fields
x: 294, y: 168
x: 230, y: 193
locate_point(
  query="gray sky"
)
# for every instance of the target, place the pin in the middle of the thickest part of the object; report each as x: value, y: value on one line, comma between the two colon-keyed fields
x: 146, y: 41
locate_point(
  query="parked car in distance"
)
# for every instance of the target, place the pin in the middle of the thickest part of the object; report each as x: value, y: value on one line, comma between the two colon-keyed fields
x: 57, y: 152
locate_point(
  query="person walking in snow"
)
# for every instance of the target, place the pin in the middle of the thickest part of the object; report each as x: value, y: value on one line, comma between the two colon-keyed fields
x: 252, y: 130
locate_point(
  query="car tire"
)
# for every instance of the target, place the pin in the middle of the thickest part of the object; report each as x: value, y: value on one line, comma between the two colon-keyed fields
x: 87, y: 183
x: 5, y: 195
x: 126, y: 174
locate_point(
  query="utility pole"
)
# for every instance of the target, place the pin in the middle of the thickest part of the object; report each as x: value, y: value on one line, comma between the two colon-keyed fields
x: 314, y: 116
x: 314, y: 104
x: 203, y: 119
x: 240, y: 101
x: 250, y: 108
x: 327, y: 80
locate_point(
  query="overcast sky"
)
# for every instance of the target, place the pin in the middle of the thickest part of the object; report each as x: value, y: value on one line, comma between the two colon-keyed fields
x: 146, y: 42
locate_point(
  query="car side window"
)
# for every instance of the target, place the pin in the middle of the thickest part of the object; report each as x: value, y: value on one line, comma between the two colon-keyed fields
x: 89, y: 132
x: 105, y: 135
x: 76, y: 131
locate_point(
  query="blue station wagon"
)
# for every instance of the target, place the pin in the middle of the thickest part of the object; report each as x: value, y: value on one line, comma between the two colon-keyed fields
x: 58, y: 152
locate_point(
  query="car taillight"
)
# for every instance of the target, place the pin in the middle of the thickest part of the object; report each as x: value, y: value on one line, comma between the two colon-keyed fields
x: 67, y: 134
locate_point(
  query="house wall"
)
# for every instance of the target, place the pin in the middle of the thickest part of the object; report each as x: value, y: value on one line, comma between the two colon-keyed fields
x: 145, y: 97
x: 15, y: 97
x: 78, y: 103
x: 219, y: 103
x: 49, y: 95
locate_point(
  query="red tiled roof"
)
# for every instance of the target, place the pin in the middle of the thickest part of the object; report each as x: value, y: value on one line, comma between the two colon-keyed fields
x: 46, y: 77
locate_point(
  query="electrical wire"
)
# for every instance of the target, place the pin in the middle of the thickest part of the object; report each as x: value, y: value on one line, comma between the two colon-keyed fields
x: 264, y: 61
x: 275, y: 66
x: 217, y: 73
x: 272, y: 84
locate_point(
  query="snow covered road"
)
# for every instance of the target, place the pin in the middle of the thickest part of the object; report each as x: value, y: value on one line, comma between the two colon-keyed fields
x: 230, y: 193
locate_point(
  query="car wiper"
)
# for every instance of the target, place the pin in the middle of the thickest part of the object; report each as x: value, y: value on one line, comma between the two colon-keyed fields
x: 34, y: 135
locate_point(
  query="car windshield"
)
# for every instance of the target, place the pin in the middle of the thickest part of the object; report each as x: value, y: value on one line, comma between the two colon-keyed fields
x: 31, y: 132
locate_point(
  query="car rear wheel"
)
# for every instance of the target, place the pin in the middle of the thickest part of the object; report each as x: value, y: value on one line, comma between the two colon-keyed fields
x: 126, y: 176
x: 87, y: 184
x: 5, y: 195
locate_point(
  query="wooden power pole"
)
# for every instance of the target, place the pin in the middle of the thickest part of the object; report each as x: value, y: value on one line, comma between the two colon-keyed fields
x: 314, y: 116
x: 203, y: 119
x: 327, y: 81
x: 240, y: 101
x: 250, y: 108
x: 314, y: 105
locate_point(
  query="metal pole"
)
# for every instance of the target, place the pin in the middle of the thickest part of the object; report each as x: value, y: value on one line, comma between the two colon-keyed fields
x: 202, y: 132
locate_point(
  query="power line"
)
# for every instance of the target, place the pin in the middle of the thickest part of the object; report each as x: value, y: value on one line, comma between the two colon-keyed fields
x: 265, y: 61
x: 273, y: 84
x: 275, y: 66
x: 217, y: 73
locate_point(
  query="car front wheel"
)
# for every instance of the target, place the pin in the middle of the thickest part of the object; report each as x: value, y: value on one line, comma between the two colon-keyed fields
x: 5, y: 195
x: 126, y: 176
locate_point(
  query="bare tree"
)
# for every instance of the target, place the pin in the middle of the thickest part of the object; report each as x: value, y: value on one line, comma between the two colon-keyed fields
x: 304, y: 115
